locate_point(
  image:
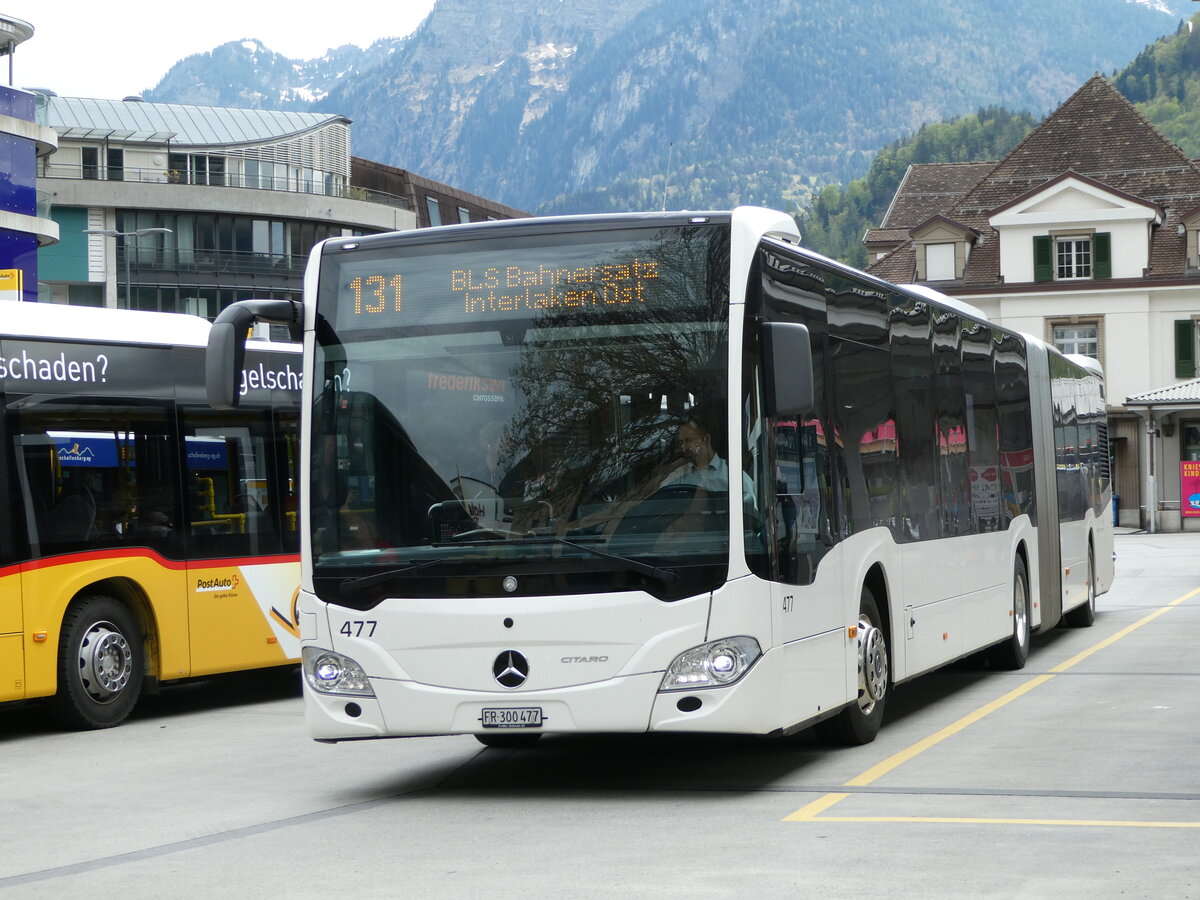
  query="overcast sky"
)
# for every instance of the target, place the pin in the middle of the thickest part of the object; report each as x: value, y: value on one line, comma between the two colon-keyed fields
x: 88, y: 48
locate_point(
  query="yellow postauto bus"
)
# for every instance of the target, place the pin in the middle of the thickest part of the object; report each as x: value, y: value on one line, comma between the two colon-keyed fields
x: 144, y: 537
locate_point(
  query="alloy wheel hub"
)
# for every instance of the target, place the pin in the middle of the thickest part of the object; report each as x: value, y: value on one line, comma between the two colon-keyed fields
x: 105, y: 661
x: 872, y: 662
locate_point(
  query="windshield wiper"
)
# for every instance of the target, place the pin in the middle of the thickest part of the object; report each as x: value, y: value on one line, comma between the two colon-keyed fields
x: 666, y: 576
x: 354, y: 585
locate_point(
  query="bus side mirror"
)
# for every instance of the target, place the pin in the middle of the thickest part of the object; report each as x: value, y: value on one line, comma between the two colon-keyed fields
x: 788, y: 361
x: 226, y: 353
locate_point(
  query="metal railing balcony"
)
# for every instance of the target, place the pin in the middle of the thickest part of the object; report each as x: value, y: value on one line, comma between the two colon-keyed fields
x: 146, y: 260
x: 238, y: 180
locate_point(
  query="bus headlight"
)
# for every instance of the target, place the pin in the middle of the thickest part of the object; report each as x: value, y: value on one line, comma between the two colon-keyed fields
x: 714, y: 664
x: 332, y: 673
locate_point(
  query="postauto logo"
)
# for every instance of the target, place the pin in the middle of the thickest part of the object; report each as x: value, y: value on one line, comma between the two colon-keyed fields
x: 220, y: 583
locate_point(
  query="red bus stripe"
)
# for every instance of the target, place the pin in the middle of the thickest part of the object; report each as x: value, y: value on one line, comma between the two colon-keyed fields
x: 67, y: 559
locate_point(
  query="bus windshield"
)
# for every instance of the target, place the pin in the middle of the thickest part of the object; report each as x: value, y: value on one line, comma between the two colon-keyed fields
x: 549, y: 412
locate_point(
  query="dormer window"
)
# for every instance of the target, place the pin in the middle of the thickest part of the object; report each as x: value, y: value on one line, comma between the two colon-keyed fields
x: 942, y: 247
x: 939, y: 262
x: 1072, y: 257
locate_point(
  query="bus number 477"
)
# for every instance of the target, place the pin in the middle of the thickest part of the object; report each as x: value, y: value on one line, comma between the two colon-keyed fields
x: 357, y: 627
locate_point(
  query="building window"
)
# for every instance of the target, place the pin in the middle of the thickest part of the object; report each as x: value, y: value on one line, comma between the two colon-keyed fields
x: 435, y: 213
x: 1074, y: 258
x: 1189, y: 448
x: 195, y: 168
x: 1082, y: 339
x: 115, y: 159
x: 939, y: 262
x: 91, y: 162
x: 464, y: 215
x: 268, y: 176
x: 85, y: 294
x: 1185, y: 348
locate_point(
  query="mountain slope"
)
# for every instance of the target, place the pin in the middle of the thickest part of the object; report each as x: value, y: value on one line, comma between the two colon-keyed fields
x: 568, y: 105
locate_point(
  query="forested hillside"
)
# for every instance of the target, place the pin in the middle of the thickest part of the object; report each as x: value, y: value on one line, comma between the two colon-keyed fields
x: 1164, y: 83
x: 840, y: 214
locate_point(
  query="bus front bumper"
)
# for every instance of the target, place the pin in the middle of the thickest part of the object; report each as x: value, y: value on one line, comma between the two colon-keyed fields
x: 629, y: 704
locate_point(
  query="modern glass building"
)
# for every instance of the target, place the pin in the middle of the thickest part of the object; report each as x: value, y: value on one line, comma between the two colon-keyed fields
x: 187, y: 208
x: 25, y: 224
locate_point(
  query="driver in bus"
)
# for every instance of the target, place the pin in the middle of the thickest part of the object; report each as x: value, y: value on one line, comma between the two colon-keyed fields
x: 703, y: 468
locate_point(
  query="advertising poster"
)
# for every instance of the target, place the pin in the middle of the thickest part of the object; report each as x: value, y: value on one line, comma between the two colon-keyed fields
x: 1189, y: 488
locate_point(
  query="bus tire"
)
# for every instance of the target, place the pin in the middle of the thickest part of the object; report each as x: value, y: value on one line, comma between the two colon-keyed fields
x: 508, y: 741
x: 101, y: 663
x: 1083, y: 616
x: 1013, y: 653
x: 859, y: 722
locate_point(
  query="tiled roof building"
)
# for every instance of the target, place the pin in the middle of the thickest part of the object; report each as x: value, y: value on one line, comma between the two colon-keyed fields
x: 1084, y: 234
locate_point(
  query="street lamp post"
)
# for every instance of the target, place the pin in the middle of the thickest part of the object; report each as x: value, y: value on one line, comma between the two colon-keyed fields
x: 125, y: 236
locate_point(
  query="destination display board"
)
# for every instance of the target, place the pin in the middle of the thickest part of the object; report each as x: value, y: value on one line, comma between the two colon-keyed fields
x: 496, y: 281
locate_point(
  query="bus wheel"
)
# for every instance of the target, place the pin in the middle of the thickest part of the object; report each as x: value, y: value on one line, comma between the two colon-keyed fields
x: 1083, y: 616
x: 859, y: 722
x: 100, y: 664
x: 1014, y: 651
x: 508, y: 741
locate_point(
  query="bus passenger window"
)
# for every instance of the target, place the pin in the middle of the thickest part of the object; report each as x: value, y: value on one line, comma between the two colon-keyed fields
x: 230, y: 482
x: 864, y: 414
x: 92, y: 483
x: 287, y: 459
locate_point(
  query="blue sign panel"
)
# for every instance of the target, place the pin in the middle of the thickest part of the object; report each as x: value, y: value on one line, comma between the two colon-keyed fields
x: 88, y: 451
x: 207, y: 453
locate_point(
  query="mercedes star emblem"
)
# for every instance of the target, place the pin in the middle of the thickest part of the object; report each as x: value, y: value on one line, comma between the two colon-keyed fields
x: 510, y: 669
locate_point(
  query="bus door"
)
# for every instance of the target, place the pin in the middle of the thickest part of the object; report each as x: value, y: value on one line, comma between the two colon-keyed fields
x: 790, y: 534
x: 240, y: 583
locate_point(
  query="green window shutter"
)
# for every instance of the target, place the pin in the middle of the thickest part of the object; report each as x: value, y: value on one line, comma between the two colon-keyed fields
x: 1043, y: 258
x: 1185, y: 348
x: 1102, y: 255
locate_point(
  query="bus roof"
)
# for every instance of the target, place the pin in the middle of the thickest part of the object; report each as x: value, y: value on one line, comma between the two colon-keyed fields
x: 87, y: 323
x: 442, y: 233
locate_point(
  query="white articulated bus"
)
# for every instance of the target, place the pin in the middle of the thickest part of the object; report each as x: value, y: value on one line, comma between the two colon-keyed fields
x: 666, y: 472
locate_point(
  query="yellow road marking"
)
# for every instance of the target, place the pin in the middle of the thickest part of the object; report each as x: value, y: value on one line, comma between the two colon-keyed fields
x: 880, y: 769
x: 1128, y: 629
x: 953, y: 820
x: 812, y: 810
x: 818, y: 806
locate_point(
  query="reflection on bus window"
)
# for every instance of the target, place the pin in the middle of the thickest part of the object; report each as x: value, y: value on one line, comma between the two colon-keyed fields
x: 107, y: 481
